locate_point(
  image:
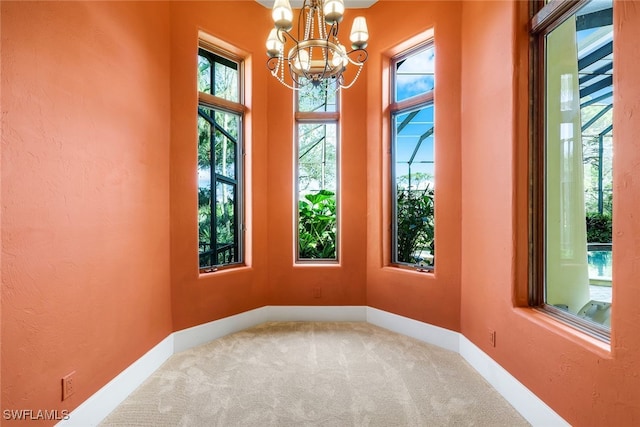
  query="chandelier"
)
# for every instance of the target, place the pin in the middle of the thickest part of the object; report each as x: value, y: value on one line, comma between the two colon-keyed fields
x: 314, y: 55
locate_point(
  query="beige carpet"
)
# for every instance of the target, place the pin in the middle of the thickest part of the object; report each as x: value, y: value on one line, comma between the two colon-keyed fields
x: 315, y: 374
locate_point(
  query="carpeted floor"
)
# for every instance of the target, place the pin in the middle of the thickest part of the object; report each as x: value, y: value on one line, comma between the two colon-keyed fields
x: 315, y: 374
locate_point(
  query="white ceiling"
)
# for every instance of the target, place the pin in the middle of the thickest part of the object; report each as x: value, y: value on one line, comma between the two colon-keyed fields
x: 350, y: 4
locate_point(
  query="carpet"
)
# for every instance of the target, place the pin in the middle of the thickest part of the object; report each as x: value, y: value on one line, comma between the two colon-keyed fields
x: 315, y: 374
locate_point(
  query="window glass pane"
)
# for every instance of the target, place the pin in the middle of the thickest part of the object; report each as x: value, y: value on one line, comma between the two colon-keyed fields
x: 218, y: 171
x: 226, y: 79
x: 226, y: 135
x: 415, y: 74
x: 204, y: 74
x: 205, y: 234
x: 414, y: 177
x: 218, y: 76
x: 226, y: 223
x: 578, y: 163
x: 320, y: 97
x: 317, y: 188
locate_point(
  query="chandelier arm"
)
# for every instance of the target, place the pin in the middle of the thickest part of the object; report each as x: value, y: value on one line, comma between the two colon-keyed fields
x: 361, y: 56
x: 333, y: 31
x: 272, y: 64
x: 282, y: 36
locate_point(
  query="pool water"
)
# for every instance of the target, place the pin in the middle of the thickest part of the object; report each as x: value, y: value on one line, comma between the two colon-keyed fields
x: 599, y: 264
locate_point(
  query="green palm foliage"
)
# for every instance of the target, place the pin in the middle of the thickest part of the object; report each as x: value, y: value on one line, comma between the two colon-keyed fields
x: 317, y: 225
x: 415, y: 216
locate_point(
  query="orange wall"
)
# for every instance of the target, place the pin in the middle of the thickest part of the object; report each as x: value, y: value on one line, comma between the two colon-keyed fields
x: 431, y: 298
x: 85, y: 192
x: 1, y: 226
x: 198, y: 299
x: 584, y: 383
x: 99, y: 226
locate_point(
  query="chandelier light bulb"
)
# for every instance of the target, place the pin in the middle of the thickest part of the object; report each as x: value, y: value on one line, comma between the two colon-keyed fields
x: 282, y: 15
x: 359, y: 33
x: 274, y: 45
x: 340, y: 57
x: 336, y: 60
x: 302, y: 60
x: 333, y: 11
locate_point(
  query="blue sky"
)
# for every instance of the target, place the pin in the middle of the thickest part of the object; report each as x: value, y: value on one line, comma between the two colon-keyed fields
x: 415, y: 76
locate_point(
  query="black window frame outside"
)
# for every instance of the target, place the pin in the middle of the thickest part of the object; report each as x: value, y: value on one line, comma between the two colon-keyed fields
x: 209, y: 101
x: 544, y: 18
x: 396, y: 108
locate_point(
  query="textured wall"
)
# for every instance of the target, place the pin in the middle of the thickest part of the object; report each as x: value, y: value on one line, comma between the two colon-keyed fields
x: 199, y: 298
x: 92, y: 207
x: 342, y: 284
x: 85, y: 194
x: 271, y: 277
x: 431, y: 298
x: 574, y: 374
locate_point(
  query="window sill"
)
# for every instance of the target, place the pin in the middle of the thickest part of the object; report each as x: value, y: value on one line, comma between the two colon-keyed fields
x: 218, y: 271
x: 317, y: 263
x: 558, y: 327
x: 412, y: 270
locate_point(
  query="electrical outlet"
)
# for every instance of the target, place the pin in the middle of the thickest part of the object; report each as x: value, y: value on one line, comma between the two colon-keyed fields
x: 68, y: 385
x: 492, y: 337
x: 317, y: 292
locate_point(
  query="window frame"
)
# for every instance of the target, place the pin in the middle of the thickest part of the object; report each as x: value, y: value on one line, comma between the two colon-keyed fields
x: 544, y: 18
x: 396, y: 108
x: 210, y: 101
x: 324, y: 118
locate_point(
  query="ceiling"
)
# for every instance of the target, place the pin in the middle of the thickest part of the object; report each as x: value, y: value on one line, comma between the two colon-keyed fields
x: 350, y: 4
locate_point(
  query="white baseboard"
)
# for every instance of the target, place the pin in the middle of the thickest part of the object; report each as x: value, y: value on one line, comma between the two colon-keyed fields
x: 413, y: 328
x: 353, y: 313
x: 201, y: 334
x: 91, y: 412
x: 534, y: 410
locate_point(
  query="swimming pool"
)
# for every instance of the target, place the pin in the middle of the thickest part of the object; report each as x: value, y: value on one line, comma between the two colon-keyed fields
x: 599, y: 263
